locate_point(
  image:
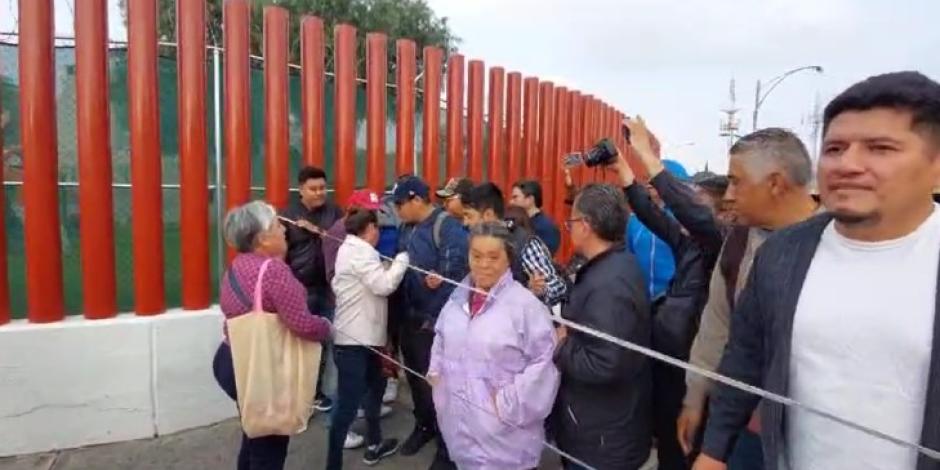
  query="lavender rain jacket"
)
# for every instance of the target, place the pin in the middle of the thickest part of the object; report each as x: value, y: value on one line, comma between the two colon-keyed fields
x: 497, y: 378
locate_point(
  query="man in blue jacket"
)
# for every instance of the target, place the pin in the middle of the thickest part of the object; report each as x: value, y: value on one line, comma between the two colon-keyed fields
x: 435, y: 242
x: 652, y: 254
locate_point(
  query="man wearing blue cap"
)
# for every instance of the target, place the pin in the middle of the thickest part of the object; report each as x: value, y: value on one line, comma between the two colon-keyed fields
x: 436, y: 242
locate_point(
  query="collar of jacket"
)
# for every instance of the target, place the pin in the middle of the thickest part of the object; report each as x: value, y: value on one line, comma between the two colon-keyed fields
x: 355, y: 240
x: 619, y: 246
x: 461, y: 295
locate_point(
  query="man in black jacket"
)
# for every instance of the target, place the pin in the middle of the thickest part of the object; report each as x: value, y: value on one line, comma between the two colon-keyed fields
x: 842, y: 312
x: 313, y: 214
x: 695, y: 237
x: 602, y: 413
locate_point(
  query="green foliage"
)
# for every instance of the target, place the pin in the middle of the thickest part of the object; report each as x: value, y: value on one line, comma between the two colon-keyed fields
x: 410, y: 19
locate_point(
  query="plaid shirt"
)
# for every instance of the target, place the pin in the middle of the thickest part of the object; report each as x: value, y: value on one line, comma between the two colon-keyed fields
x: 537, y: 259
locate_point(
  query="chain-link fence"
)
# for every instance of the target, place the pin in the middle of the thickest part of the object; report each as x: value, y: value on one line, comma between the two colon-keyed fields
x: 120, y: 149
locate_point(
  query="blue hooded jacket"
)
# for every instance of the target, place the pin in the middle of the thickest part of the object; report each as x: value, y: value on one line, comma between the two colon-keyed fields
x: 653, y: 255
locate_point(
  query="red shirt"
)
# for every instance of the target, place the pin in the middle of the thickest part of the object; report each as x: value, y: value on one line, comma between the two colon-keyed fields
x: 476, y: 303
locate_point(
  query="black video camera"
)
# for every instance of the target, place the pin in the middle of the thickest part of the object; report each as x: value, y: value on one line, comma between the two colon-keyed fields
x: 602, y: 153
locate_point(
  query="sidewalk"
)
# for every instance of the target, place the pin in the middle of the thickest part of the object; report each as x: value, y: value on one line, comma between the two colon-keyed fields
x: 216, y: 447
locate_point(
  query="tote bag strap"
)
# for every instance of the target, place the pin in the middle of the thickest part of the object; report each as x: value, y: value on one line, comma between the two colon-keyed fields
x: 264, y: 267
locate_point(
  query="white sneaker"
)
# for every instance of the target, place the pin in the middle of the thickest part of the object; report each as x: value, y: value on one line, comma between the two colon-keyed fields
x: 391, y: 391
x: 353, y: 441
x: 383, y: 412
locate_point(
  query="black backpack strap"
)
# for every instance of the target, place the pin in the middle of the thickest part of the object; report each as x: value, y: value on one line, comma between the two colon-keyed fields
x: 237, y: 290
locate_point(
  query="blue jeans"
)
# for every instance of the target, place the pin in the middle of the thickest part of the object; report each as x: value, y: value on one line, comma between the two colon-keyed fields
x: 360, y: 382
x: 747, y: 453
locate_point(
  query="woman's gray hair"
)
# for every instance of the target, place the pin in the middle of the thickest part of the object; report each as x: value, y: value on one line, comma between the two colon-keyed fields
x: 496, y: 230
x: 243, y: 224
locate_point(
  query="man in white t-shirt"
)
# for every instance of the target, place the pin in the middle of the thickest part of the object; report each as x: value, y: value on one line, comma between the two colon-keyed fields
x: 840, y: 312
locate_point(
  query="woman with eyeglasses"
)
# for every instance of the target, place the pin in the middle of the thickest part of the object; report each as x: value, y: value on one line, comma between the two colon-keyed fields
x: 494, y: 382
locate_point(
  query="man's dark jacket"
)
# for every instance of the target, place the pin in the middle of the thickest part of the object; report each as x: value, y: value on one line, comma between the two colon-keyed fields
x: 758, y: 350
x: 305, y: 249
x: 695, y: 249
x: 602, y: 413
x: 447, y: 257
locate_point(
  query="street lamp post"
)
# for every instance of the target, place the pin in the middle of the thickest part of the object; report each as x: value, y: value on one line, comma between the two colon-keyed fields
x: 759, y: 99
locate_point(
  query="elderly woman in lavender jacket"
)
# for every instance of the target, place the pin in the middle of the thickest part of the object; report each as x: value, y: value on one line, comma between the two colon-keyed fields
x: 491, y: 369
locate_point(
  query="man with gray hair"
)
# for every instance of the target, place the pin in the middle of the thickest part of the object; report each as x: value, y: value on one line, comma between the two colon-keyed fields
x: 602, y: 414
x: 769, y: 178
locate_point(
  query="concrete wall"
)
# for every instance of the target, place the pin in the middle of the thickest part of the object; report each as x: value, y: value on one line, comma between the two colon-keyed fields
x: 81, y: 382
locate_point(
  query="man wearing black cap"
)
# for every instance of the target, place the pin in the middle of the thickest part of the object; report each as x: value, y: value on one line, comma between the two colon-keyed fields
x: 454, y: 195
x: 438, y: 243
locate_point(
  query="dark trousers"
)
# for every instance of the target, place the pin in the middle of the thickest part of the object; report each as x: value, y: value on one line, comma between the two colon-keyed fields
x: 416, y: 351
x: 260, y: 453
x: 668, y: 392
x: 319, y: 303
x: 359, y: 381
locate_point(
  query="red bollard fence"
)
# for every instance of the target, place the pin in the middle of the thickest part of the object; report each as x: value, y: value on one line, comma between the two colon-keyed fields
x: 311, y: 73
x: 146, y: 190
x: 530, y: 129
x: 40, y: 163
x: 529, y: 126
x: 514, y: 128
x: 455, y: 160
x: 496, y: 166
x: 475, y: 120
x: 276, y: 92
x: 405, y: 112
x: 376, y: 77
x: 237, y: 105
x: 94, y: 159
x: 431, y: 128
x: 539, y: 170
x: 194, y: 171
x: 344, y: 101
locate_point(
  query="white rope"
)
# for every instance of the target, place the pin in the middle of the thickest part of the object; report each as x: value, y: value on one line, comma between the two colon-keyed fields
x: 774, y: 397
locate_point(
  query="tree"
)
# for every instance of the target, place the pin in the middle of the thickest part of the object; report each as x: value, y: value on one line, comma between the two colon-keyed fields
x: 410, y: 19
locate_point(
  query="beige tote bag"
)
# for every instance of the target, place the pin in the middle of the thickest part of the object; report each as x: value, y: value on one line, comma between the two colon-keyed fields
x: 275, y: 371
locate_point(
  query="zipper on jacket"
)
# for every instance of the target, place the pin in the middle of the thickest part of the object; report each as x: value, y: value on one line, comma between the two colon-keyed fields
x: 573, y: 418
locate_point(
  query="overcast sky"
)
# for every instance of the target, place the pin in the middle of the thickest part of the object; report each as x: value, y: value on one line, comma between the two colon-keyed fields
x: 671, y: 60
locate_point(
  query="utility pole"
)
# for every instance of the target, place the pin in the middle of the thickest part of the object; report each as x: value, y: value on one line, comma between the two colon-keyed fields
x: 728, y: 128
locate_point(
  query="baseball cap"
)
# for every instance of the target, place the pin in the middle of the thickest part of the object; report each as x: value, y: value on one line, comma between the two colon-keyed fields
x: 455, y: 187
x: 409, y: 187
x: 365, y: 199
x: 676, y: 169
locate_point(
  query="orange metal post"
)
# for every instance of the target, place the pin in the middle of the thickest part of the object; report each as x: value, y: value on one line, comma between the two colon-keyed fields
x: 405, y: 112
x: 276, y: 130
x: 94, y: 159
x: 514, y: 128
x: 495, y: 163
x: 455, y: 160
x: 311, y: 75
x: 537, y: 167
x: 586, y: 137
x: 551, y: 159
x: 431, y: 129
x: 344, y: 103
x: 475, y: 121
x: 376, y: 78
x: 194, y: 173
x: 237, y: 120
x: 530, y: 126
x: 146, y: 193
x: 40, y: 162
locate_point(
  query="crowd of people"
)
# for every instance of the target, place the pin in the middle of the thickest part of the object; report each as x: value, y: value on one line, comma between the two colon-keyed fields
x: 832, y: 301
